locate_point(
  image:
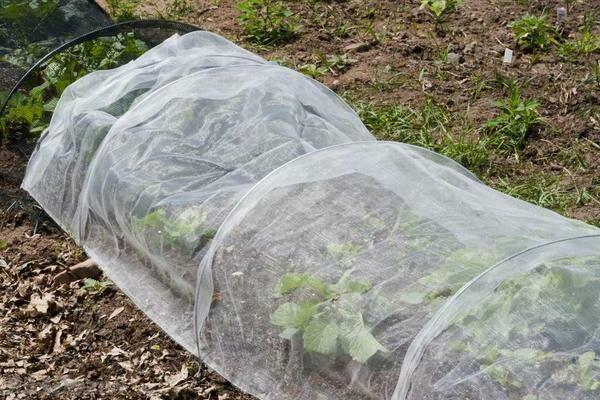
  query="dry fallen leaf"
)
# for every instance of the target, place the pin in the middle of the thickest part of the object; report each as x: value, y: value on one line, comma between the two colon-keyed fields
x: 58, y: 347
x: 126, y: 365
x: 42, y: 305
x: 116, y: 312
x: 182, y: 375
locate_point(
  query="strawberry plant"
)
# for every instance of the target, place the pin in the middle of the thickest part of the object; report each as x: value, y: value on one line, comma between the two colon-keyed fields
x: 185, y: 229
x: 327, y: 317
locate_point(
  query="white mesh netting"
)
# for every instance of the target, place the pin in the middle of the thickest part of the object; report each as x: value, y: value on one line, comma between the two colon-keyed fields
x: 316, y: 254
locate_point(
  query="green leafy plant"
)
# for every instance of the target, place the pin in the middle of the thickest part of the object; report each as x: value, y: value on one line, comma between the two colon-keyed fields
x: 184, y: 230
x: 94, y: 285
x: 439, y: 7
x: 516, y: 118
x: 17, y: 15
x: 534, y: 32
x: 516, y: 308
x: 267, y: 21
x: 328, y: 318
x: 30, y: 111
x: 123, y: 10
x: 584, y: 44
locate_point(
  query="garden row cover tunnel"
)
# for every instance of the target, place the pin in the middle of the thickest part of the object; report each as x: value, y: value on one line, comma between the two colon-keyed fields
x: 247, y: 211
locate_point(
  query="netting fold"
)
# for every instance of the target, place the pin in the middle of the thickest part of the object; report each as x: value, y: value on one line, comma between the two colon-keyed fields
x: 247, y: 210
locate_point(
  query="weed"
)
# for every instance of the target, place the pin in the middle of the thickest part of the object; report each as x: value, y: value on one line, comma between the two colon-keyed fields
x: 432, y: 126
x: 368, y: 31
x: 595, y: 73
x: 123, y: 10
x: 329, y: 319
x: 94, y: 285
x: 3, y: 244
x: 584, y: 44
x: 330, y: 64
x: 267, y: 21
x: 534, y: 32
x: 542, y: 191
x: 516, y: 118
x: 313, y: 70
x: 439, y: 7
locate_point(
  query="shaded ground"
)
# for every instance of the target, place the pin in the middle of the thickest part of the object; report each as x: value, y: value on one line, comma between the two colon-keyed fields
x: 91, y: 343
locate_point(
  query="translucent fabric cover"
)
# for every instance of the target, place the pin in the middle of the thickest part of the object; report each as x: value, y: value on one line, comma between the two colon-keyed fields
x: 142, y: 163
x: 528, y: 328
x: 322, y: 275
x: 246, y: 209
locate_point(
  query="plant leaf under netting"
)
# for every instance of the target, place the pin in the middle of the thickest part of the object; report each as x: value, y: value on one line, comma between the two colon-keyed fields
x: 246, y: 209
x: 141, y: 163
x: 327, y: 269
x: 528, y: 328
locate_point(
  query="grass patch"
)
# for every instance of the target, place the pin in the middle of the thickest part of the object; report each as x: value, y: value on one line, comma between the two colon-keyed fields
x: 549, y: 192
x: 431, y: 126
x: 582, y: 45
x: 539, y: 190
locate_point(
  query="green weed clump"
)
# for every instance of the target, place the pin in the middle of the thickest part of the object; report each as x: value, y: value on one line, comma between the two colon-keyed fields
x: 267, y: 22
x: 517, y: 117
x: 583, y: 44
x: 431, y: 126
x: 439, y: 7
x: 534, y: 32
x: 123, y: 10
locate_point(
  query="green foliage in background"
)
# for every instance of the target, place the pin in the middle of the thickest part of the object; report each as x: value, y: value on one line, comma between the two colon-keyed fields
x: 267, y: 21
x: 17, y: 16
x: 327, y: 317
x: 30, y: 111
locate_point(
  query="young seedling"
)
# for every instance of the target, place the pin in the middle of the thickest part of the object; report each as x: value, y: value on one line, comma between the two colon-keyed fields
x: 185, y: 230
x: 94, y: 285
x: 439, y: 7
x: 534, y: 32
x: 515, y: 120
x: 328, y: 318
x: 267, y: 21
